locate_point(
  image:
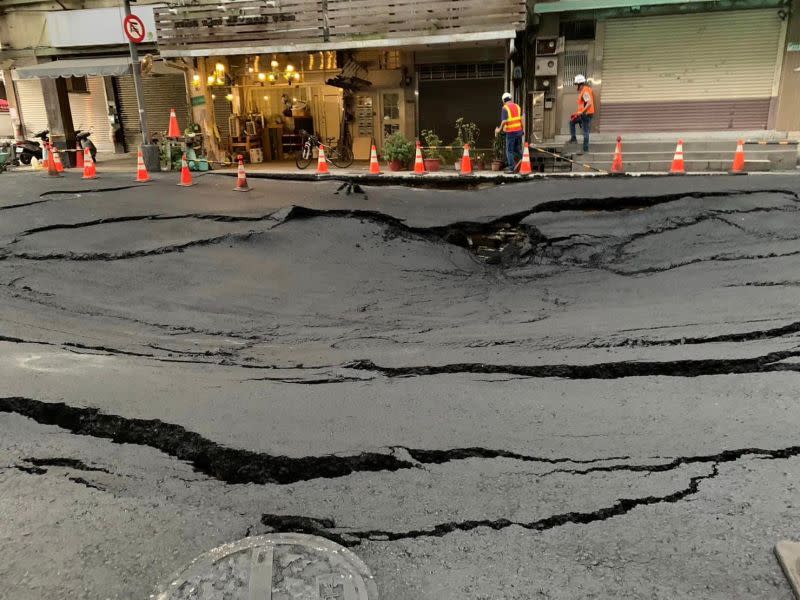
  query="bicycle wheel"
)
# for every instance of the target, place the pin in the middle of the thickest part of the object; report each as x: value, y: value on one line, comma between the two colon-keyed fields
x: 341, y: 157
x: 303, y: 158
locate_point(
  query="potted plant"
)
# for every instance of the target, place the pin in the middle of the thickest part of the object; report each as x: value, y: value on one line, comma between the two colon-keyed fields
x: 498, y: 151
x: 480, y: 161
x: 432, y: 155
x: 467, y: 132
x: 398, y: 151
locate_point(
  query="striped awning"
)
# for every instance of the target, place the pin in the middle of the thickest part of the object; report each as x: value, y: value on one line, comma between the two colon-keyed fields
x: 112, y: 65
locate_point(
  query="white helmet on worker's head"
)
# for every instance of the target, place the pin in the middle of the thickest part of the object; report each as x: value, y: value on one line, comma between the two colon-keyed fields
x: 506, y: 97
x: 580, y: 79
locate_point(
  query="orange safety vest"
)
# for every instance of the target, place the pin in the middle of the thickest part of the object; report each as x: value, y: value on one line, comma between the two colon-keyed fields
x: 514, y: 120
x: 586, y: 98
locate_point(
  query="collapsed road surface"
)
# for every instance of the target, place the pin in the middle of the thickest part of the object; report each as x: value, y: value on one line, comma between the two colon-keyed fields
x: 555, y: 389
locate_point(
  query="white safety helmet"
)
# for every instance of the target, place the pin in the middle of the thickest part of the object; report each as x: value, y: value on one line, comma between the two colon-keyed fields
x: 580, y: 79
x: 506, y: 97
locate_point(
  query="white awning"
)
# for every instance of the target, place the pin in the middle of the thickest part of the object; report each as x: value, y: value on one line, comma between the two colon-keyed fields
x: 79, y: 67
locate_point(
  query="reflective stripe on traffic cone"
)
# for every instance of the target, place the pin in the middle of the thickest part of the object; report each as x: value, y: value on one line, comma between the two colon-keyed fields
x: 89, y: 171
x: 52, y: 171
x: 616, y: 166
x: 419, y: 165
x: 525, y: 165
x: 186, y: 175
x: 678, y: 167
x: 466, y: 162
x: 322, y: 163
x: 142, y: 176
x: 57, y: 160
x: 374, y: 166
x: 174, y: 131
x: 78, y: 157
x: 241, y: 178
x: 738, y: 158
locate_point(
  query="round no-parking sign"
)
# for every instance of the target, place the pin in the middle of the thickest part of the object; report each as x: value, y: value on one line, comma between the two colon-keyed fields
x: 134, y: 29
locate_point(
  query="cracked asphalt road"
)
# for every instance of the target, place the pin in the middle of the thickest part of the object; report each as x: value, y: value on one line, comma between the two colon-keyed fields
x: 606, y: 407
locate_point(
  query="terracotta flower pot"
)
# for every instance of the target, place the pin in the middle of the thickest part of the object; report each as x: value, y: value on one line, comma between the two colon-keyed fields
x: 395, y: 165
x: 432, y: 165
x: 497, y: 165
x: 479, y: 165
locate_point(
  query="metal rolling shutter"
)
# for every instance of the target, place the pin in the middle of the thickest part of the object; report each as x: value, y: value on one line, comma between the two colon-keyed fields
x: 222, y: 116
x: 89, y: 112
x: 31, y: 105
x: 477, y: 86
x: 707, y: 71
x: 161, y: 93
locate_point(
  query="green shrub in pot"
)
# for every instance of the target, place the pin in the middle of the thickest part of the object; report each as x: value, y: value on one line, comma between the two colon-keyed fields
x: 398, y: 151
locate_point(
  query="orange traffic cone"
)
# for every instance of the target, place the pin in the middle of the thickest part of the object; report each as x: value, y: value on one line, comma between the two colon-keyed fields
x: 678, y: 167
x: 52, y: 170
x: 616, y: 166
x: 186, y: 175
x: 89, y: 170
x: 142, y: 176
x: 322, y: 162
x: 78, y: 157
x: 57, y: 159
x: 466, y: 162
x: 50, y: 162
x: 241, y: 178
x: 738, y: 158
x: 419, y: 166
x: 174, y: 131
x: 525, y: 165
x: 374, y: 166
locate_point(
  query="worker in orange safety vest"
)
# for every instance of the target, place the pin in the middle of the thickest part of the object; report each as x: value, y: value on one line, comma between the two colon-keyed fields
x: 512, y: 124
x: 584, y: 114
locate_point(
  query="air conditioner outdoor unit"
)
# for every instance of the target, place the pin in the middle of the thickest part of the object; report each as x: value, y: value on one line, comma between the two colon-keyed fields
x: 546, y: 66
x: 549, y: 46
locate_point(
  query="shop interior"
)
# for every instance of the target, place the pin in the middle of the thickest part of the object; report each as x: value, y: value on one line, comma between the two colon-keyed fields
x: 273, y: 99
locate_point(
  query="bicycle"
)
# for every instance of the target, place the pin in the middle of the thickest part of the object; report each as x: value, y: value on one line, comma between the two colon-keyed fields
x: 338, y: 156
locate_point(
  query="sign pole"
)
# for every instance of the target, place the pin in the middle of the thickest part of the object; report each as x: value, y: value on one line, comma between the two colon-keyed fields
x: 149, y: 151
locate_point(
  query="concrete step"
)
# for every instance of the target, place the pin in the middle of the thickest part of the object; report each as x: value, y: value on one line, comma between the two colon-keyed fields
x: 779, y: 159
x: 663, y: 166
x: 709, y: 146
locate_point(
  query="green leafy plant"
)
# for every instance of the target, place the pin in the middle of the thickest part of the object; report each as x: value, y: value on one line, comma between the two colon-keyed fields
x: 467, y: 132
x: 499, y: 147
x: 433, y: 144
x: 397, y: 147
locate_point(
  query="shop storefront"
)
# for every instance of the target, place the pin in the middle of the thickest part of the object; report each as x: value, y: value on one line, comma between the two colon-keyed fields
x: 348, y: 75
x: 88, y: 85
x: 706, y: 71
x: 656, y: 67
x: 263, y: 103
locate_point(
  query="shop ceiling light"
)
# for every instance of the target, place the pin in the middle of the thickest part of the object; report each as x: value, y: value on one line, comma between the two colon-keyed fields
x: 262, y: 76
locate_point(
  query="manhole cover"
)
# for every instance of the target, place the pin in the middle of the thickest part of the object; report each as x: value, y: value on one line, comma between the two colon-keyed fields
x: 281, y: 566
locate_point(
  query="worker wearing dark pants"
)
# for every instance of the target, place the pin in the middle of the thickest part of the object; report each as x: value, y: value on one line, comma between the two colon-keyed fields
x: 512, y: 124
x: 584, y: 114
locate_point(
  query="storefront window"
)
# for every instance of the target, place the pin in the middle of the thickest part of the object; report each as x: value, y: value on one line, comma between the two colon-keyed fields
x: 391, y: 114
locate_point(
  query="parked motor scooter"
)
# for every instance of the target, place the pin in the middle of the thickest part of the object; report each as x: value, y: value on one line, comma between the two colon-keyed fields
x: 84, y: 142
x: 28, y: 149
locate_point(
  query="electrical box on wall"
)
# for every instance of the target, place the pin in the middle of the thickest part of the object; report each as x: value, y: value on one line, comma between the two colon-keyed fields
x: 549, y: 46
x: 546, y: 66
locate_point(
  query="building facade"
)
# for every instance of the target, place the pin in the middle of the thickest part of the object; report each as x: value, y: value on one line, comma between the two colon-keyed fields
x: 665, y: 66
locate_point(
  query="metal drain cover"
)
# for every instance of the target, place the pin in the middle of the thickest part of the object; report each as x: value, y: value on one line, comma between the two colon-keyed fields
x: 280, y: 566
